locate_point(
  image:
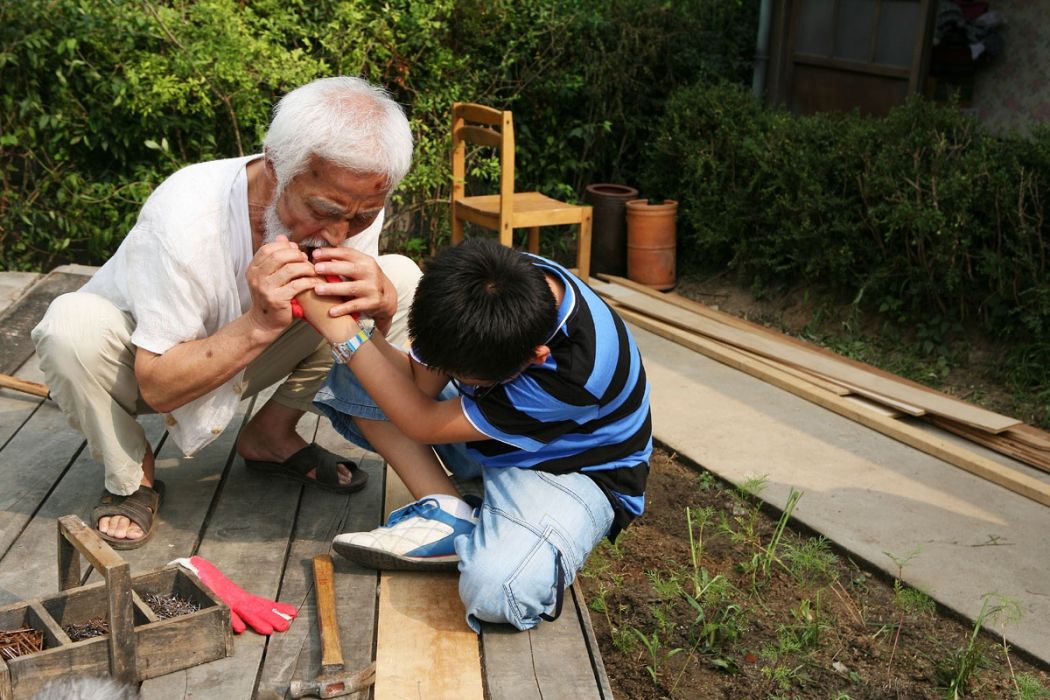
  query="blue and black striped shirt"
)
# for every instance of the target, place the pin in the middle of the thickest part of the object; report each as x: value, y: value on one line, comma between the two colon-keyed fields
x: 586, y: 409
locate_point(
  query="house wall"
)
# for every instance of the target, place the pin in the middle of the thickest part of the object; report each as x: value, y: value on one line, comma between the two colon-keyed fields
x: 1013, y: 93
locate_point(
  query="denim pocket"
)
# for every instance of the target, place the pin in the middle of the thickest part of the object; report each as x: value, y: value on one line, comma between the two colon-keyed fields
x: 531, y: 589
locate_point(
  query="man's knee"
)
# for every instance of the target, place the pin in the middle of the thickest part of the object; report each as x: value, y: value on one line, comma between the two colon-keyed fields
x: 402, y: 271
x: 73, y: 329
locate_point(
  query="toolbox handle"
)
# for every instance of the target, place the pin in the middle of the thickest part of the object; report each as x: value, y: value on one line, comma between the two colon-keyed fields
x: 74, y: 537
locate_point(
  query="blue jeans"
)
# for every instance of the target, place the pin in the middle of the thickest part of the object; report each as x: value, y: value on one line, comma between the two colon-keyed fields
x: 532, y: 525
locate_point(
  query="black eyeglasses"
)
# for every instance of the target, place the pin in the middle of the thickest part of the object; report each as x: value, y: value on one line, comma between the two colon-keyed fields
x: 475, y: 391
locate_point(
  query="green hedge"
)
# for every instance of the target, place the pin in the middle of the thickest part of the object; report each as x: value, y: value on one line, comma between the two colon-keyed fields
x: 100, y: 100
x: 920, y: 215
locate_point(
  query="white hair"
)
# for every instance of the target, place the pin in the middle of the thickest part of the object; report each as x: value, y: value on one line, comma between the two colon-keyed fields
x: 86, y: 688
x: 346, y: 121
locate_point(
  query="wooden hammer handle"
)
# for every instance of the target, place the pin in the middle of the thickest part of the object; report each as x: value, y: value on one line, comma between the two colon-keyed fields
x: 27, y: 387
x: 327, y: 624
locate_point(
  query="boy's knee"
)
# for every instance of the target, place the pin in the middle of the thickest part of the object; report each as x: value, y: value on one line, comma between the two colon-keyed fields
x: 504, y: 589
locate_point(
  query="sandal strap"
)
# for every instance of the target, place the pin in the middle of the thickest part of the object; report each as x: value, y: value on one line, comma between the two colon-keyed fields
x: 313, y: 456
x: 139, y: 507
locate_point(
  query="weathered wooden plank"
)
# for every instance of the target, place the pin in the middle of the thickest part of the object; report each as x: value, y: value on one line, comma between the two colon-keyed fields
x: 250, y: 550
x: 295, y: 654
x: 13, y: 285
x: 31, y: 463
x: 424, y: 647
x: 550, y: 661
x: 805, y: 358
x: 15, y: 324
x: 597, y: 664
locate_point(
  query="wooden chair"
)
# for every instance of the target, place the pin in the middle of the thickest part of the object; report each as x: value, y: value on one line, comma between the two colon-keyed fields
x: 508, y: 210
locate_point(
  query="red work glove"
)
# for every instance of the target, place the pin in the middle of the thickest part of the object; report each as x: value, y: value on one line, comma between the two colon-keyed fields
x: 264, y: 616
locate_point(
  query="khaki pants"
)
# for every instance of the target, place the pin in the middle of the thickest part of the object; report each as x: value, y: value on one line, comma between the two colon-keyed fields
x: 85, y: 351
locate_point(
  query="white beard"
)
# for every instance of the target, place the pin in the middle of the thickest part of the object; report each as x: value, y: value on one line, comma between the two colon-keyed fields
x: 274, y: 227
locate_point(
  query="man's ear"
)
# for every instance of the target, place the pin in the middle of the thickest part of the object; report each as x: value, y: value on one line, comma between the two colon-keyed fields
x: 540, y: 355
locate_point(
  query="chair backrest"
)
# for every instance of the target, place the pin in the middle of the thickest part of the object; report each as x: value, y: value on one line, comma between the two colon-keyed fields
x: 484, y: 126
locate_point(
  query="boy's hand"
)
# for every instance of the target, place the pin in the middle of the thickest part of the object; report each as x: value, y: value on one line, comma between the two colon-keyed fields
x: 366, y: 289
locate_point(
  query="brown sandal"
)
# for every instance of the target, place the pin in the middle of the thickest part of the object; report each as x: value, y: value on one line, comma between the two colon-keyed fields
x: 311, y: 457
x: 139, y: 507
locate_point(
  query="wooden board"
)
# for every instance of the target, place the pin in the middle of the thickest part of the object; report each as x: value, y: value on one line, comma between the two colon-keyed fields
x: 296, y: 654
x: 15, y: 324
x: 744, y: 324
x: 552, y: 660
x: 424, y: 648
x: 807, y: 359
x: 985, y: 468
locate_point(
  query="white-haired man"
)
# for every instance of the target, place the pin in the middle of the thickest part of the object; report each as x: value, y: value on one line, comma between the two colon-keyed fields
x: 194, y: 311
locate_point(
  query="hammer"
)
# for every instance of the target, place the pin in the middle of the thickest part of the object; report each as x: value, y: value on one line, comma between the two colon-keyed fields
x: 333, y: 680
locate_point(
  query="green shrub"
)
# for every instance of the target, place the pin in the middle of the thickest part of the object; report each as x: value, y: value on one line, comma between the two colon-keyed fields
x: 99, y: 101
x: 920, y: 215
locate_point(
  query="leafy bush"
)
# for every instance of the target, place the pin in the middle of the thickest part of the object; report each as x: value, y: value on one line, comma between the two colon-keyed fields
x: 920, y: 215
x: 102, y: 100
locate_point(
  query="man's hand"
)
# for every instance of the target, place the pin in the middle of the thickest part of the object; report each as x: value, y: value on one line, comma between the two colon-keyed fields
x: 366, y: 289
x: 277, y: 273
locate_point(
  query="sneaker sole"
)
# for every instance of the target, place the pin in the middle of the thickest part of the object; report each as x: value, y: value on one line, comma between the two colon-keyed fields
x: 376, y: 559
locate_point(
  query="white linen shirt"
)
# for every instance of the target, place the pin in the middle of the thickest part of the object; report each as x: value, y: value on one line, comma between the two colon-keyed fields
x: 180, y: 275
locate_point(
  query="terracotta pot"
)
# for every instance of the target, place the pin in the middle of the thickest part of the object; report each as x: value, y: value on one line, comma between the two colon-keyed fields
x: 609, y: 227
x: 651, y: 243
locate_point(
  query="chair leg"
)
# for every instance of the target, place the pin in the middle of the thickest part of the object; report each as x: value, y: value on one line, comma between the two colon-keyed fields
x: 534, y: 239
x: 583, y: 246
x: 506, y: 236
x: 457, y: 227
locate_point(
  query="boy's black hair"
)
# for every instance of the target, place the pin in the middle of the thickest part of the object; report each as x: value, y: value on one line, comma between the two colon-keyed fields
x: 480, y: 311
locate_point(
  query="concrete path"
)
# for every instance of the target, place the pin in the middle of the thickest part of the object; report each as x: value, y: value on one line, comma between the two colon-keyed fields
x: 864, y: 491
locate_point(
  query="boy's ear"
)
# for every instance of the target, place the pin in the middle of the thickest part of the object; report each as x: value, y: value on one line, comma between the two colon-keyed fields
x: 540, y: 355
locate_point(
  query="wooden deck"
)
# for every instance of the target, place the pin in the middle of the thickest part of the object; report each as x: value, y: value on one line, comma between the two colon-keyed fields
x: 263, y: 533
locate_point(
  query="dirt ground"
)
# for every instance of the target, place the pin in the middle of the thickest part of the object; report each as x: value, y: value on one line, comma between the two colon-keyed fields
x: 753, y: 616
x: 812, y: 625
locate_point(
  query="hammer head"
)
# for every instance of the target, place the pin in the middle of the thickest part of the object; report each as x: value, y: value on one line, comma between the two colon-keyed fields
x: 333, y: 683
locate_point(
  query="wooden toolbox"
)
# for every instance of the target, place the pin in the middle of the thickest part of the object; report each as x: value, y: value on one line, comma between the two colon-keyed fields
x: 139, y: 644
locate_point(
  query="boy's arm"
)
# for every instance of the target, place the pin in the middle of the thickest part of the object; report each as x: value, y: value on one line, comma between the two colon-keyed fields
x: 391, y: 383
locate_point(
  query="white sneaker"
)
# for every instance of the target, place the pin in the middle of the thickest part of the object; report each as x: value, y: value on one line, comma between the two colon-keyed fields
x: 418, y: 537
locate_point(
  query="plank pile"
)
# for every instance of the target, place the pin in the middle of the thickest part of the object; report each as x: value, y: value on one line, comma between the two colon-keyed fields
x: 880, y: 400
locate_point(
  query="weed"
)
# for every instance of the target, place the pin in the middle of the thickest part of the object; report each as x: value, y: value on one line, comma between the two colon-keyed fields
x: 1028, y: 687
x: 696, y: 542
x: 666, y: 584
x: 657, y: 654
x: 911, y: 601
x: 907, y: 600
x: 811, y: 562
x: 770, y: 553
x: 623, y: 639
x: 706, y: 481
x: 597, y: 603
x: 752, y: 487
x: 959, y: 669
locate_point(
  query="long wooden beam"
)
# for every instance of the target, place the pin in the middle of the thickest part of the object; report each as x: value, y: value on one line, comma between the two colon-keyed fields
x: 975, y: 464
x: 807, y: 359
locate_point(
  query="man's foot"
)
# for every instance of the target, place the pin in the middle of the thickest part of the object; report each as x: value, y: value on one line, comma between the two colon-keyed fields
x: 315, y: 466
x: 126, y: 522
x: 270, y: 437
x: 419, y: 537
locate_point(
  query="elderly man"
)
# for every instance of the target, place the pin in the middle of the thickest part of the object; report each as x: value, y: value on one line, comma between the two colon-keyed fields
x: 194, y: 311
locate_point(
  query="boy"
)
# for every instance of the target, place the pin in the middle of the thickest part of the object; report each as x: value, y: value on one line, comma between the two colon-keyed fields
x: 546, y: 397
